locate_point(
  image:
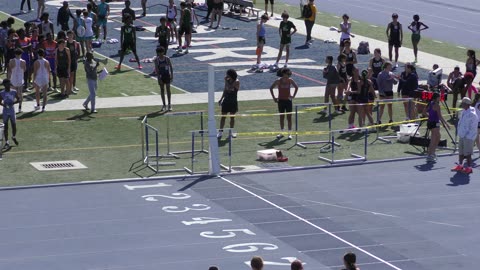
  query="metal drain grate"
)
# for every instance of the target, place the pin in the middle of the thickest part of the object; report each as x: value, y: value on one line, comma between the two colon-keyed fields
x: 58, y: 165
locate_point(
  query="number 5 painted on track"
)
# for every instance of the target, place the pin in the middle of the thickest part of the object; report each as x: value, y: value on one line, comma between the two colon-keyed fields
x: 210, y: 234
x: 250, y: 247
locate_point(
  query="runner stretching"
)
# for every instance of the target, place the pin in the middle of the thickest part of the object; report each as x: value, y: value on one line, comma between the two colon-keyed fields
x: 128, y: 39
x: 284, y: 99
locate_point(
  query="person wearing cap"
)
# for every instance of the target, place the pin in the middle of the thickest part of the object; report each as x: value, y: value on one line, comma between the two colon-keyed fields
x: 467, y: 133
x: 395, y: 38
x: 16, y: 70
x: 455, y: 82
x: 8, y: 98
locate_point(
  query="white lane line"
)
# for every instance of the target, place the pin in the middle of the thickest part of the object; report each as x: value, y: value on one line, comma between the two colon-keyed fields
x: 460, y: 47
x: 437, y: 41
x: 130, y: 117
x: 123, y: 94
x: 311, y: 224
x: 63, y: 121
x: 374, y: 26
x: 446, y: 224
x: 355, y: 21
x: 336, y: 17
x: 153, y: 93
x: 256, y: 111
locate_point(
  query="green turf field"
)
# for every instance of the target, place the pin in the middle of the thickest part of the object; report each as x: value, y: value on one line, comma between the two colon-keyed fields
x: 130, y: 83
x: 109, y: 144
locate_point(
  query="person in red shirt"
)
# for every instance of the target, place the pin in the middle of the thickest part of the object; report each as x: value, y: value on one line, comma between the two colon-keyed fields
x: 50, y: 47
x: 284, y: 99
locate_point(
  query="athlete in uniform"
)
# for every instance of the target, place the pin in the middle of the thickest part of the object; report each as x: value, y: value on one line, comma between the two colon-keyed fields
x: 144, y: 7
x: 375, y: 66
x: 229, y: 101
x: 164, y: 71
x: 366, y: 97
x: 353, y: 96
x: 286, y: 33
x: 74, y: 48
x: 16, y: 70
x: 163, y: 34
x: 416, y: 27
x: 46, y: 26
x: 102, y: 17
x: 395, y: 37
x: 342, y: 85
x: 88, y: 23
x: 185, y: 27
x: 41, y: 77
x: 271, y: 7
x: 261, y: 33
x: 8, y: 98
x: 435, y: 117
x: 345, y: 28
x: 128, y: 39
x: 79, y: 22
x: 63, y: 65
x: 26, y: 46
x: 217, y: 10
x: 284, y: 99
x: 172, y: 20
x: 472, y: 63
x: 351, y: 57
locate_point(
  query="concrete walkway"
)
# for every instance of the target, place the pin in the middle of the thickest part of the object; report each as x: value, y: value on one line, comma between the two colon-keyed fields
x: 319, y: 33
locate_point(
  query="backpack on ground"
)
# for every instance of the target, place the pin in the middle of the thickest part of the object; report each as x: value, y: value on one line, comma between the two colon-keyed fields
x: 363, y: 48
x: 307, y: 11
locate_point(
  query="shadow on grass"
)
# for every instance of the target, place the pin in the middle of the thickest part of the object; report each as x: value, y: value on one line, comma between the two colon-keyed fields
x: 28, y: 115
x: 351, y: 136
x: 273, y: 143
x: 154, y: 114
x: 83, y: 116
x: 459, y: 179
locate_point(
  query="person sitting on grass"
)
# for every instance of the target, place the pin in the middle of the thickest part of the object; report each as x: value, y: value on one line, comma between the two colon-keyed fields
x: 128, y: 41
x: 284, y: 99
x: 164, y: 71
x: 229, y: 101
x: 8, y: 98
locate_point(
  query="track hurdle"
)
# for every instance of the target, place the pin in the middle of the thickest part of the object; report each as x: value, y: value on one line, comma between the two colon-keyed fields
x: 312, y: 105
x: 174, y: 154
x: 386, y: 139
x: 354, y: 157
x: 194, y: 152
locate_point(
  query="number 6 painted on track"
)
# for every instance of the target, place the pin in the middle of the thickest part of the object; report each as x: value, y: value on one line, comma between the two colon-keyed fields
x: 250, y: 247
x: 175, y: 209
x: 210, y: 234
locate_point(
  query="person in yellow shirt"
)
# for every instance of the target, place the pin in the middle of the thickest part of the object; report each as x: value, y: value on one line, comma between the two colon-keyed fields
x: 309, y: 13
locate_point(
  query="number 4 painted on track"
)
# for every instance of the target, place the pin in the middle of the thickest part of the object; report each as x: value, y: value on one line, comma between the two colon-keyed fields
x: 205, y: 220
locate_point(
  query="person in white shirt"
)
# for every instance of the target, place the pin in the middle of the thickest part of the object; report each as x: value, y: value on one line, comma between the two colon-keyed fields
x: 467, y: 130
x: 16, y: 70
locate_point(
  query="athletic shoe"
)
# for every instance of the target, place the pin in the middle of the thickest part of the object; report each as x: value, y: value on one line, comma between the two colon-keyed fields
x: 6, y: 146
x: 36, y: 107
x: 467, y: 170
x: 140, y: 67
x: 94, y: 111
x: 324, y: 111
x: 164, y: 108
x: 271, y: 15
x: 457, y: 168
x: 15, y: 140
x: 170, y: 108
x: 85, y: 107
x: 186, y: 51
x: 289, y: 137
x: 184, y: 47
x: 390, y: 121
x: 279, y: 136
x: 234, y: 135
x: 43, y: 109
x: 431, y: 158
x: 344, y: 108
x: 179, y: 50
x: 219, y: 134
x: 286, y: 65
x: 23, y: 11
x: 118, y: 67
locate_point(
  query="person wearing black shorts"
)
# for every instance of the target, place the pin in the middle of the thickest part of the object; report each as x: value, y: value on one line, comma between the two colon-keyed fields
x: 229, y: 101
x: 164, y: 71
x: 395, y: 38
x: 163, y: 34
x: 385, y: 81
x: 407, y: 85
x: 63, y: 65
x: 284, y: 99
x: 128, y: 39
x: 217, y: 10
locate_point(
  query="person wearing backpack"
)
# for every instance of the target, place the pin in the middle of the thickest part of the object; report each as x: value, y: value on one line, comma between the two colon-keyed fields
x: 309, y: 13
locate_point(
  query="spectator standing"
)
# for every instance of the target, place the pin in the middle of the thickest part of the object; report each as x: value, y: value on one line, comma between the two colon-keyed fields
x: 435, y: 117
x: 229, y: 101
x: 63, y: 16
x: 41, y: 77
x: 40, y: 8
x: 164, y: 71
x: 309, y: 14
x: 172, y: 19
x: 284, y: 99
x: 88, y: 24
x: 416, y: 27
x: 345, y: 28
x: 286, y: 33
x: 91, y: 71
x: 163, y: 34
x: 74, y: 48
x: 467, y: 130
x: 8, y: 98
x: 385, y: 82
x: 102, y: 17
x: 395, y: 38
x: 16, y: 70
x: 78, y: 24
x: 407, y: 85
x: 472, y: 63
x: 28, y: 4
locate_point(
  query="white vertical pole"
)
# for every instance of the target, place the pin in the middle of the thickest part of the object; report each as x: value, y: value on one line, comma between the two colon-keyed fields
x: 214, y: 162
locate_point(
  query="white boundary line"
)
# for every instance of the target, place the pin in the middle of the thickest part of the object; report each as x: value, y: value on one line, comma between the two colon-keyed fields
x: 311, y: 224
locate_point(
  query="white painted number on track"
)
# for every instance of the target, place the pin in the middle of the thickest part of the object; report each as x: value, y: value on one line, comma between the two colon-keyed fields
x: 175, y: 196
x: 146, y: 186
x: 249, y: 247
x: 288, y: 263
x: 231, y: 233
x: 205, y: 220
x: 175, y: 209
